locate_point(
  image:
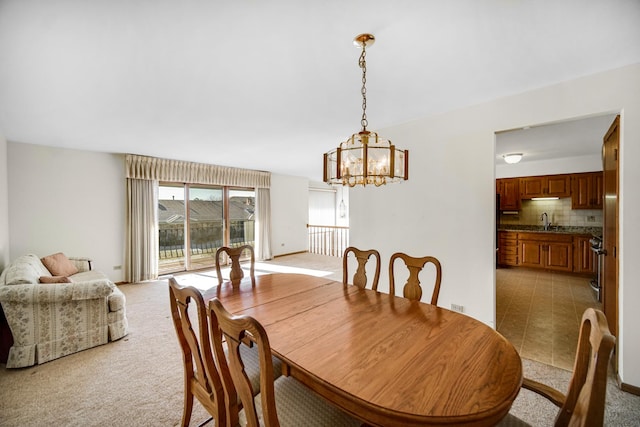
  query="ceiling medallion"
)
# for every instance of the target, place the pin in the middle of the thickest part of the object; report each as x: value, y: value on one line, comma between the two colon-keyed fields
x: 365, y: 158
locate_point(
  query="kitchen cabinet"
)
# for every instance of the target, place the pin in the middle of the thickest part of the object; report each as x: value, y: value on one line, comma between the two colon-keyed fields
x: 508, y: 248
x: 509, y: 191
x: 546, y: 250
x: 545, y: 186
x: 586, y: 190
x: 584, y: 259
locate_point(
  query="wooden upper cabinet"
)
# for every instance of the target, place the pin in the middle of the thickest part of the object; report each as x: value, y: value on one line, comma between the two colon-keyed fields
x: 532, y: 186
x: 545, y: 186
x: 509, y: 191
x: 586, y: 190
x: 559, y: 185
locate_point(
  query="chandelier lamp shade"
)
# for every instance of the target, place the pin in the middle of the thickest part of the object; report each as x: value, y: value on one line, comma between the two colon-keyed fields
x: 365, y: 158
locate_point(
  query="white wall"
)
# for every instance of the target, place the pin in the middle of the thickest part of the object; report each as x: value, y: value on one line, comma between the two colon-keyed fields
x: 290, y: 211
x: 4, y: 205
x: 70, y: 201
x: 446, y: 209
x: 74, y: 201
x: 550, y: 167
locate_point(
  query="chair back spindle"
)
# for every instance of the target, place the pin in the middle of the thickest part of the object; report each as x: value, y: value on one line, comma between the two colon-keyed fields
x: 236, y: 274
x: 412, y: 289
x: 360, y: 276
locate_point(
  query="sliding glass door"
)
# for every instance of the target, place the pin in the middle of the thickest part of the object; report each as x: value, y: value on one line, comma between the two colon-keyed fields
x: 242, y: 206
x: 202, y: 219
x: 205, y: 225
x: 171, y: 226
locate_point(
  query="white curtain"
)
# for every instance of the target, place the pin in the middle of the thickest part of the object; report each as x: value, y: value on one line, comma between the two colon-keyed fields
x: 263, y: 224
x: 141, y: 252
x: 322, y: 206
x: 152, y: 168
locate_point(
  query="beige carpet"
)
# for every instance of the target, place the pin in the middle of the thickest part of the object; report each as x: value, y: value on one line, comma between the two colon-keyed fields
x: 137, y: 381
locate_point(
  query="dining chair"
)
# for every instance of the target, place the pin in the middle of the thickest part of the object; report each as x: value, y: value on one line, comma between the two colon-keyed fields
x: 201, y: 377
x: 236, y: 274
x: 412, y: 289
x: 284, y: 401
x: 583, y: 405
x: 360, y: 276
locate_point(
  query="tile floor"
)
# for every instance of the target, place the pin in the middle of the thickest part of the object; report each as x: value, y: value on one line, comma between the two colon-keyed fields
x: 540, y: 313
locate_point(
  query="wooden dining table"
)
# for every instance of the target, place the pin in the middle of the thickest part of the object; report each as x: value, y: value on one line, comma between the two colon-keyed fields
x: 384, y: 359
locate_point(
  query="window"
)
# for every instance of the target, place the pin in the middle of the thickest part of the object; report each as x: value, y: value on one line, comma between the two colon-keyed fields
x: 202, y: 219
x: 322, y: 207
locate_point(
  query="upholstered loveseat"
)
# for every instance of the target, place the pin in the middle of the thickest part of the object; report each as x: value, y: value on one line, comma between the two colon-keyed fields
x: 64, y: 315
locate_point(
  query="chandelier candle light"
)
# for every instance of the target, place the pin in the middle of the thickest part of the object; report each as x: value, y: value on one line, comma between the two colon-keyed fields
x: 365, y: 158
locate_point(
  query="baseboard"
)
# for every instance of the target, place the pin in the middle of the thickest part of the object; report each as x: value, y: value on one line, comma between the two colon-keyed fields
x: 628, y: 387
x: 290, y: 253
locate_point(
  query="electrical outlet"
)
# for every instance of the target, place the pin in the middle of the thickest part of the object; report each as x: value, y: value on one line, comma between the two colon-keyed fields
x: 457, y: 307
x: 591, y: 218
x: 117, y: 267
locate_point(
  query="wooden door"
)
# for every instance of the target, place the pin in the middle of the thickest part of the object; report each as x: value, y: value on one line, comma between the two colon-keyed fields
x: 610, y: 161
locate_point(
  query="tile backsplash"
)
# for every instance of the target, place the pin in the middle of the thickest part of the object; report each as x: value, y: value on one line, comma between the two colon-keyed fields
x: 559, y: 212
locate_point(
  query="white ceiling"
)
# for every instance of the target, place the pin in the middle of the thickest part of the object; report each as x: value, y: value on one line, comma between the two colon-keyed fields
x: 271, y: 85
x: 565, y: 139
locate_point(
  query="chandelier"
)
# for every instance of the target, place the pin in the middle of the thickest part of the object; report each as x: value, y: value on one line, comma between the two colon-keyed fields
x: 365, y: 158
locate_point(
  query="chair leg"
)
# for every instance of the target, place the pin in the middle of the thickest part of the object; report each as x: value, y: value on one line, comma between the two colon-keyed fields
x: 188, y: 407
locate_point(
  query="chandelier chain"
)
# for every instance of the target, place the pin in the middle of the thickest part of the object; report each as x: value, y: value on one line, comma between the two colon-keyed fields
x: 363, y: 64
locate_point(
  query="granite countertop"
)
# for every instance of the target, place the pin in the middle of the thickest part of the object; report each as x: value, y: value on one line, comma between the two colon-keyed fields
x: 560, y: 229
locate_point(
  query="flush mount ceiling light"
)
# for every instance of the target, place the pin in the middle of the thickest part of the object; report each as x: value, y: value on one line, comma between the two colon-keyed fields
x: 365, y: 158
x: 512, y: 158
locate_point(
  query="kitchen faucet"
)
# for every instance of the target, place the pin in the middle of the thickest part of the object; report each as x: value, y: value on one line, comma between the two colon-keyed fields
x: 545, y: 220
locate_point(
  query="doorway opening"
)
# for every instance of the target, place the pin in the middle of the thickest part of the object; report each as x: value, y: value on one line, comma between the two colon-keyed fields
x: 538, y: 309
